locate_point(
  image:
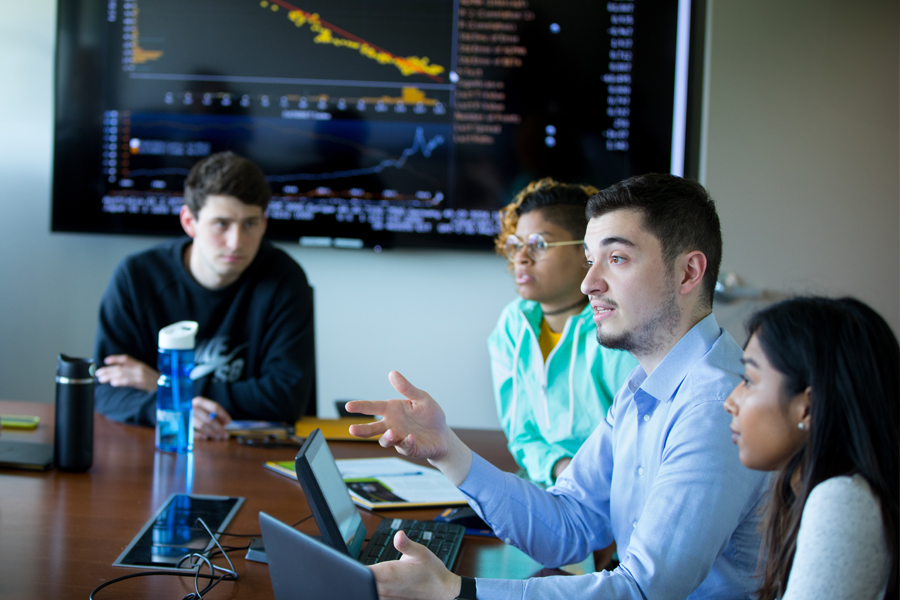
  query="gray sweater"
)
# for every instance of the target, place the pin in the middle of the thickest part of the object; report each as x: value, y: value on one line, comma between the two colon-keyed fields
x: 841, y: 548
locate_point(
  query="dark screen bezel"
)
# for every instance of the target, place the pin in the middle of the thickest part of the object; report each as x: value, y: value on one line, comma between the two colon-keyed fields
x: 328, y: 526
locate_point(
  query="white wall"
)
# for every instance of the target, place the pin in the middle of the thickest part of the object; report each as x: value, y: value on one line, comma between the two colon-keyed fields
x: 802, y: 145
x: 802, y: 159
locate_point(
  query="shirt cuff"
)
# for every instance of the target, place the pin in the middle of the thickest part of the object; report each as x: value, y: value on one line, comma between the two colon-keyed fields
x: 507, y: 589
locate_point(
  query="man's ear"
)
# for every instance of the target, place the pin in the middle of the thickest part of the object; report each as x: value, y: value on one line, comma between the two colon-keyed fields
x: 188, y: 221
x: 691, y: 268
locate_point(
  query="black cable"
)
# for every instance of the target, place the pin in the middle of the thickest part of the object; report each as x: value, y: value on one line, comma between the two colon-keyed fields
x: 230, y: 549
x: 195, y: 560
x: 148, y: 573
x: 306, y: 518
x: 258, y: 535
x: 227, y: 575
x: 213, y: 552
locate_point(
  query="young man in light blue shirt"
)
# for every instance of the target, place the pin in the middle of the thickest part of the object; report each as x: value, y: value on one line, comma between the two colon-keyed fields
x: 660, y: 475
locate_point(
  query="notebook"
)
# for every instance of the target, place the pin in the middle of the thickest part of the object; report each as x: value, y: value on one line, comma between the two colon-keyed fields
x: 339, y: 521
x: 303, y: 569
x: 334, y: 429
x: 25, y: 455
x: 388, y: 483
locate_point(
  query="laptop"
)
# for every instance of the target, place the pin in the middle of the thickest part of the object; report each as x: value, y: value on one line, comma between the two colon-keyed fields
x: 304, y: 569
x: 338, y: 518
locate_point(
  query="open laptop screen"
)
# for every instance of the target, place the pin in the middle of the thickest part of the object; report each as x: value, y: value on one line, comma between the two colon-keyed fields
x: 336, y: 515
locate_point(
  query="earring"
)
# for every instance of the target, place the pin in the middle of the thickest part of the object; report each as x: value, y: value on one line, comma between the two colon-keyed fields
x: 801, y: 426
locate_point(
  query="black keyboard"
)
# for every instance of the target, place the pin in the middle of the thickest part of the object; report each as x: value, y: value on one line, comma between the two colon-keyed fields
x: 443, y: 539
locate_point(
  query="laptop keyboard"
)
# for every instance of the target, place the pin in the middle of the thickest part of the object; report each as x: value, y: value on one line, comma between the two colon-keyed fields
x: 443, y: 539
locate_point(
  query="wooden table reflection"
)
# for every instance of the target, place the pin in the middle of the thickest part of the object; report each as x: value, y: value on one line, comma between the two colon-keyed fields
x: 60, y: 532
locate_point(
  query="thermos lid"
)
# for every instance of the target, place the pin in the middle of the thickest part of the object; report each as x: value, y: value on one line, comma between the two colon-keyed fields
x: 178, y: 336
x: 74, y: 368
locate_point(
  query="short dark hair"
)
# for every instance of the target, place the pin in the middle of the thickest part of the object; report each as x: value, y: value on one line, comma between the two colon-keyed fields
x: 848, y: 357
x: 562, y: 204
x: 678, y: 212
x: 226, y: 174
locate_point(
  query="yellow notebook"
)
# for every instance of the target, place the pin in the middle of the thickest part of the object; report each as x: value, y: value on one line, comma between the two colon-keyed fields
x: 333, y: 429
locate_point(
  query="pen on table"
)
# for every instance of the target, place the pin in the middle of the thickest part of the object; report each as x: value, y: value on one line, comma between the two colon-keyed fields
x: 395, y: 474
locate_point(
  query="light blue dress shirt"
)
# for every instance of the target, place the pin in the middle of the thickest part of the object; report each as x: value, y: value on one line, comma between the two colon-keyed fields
x: 660, y: 476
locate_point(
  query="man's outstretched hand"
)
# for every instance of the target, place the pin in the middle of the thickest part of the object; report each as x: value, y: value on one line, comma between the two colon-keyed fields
x: 416, y: 427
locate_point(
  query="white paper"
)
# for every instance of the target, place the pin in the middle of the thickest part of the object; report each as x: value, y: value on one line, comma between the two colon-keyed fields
x: 407, y: 480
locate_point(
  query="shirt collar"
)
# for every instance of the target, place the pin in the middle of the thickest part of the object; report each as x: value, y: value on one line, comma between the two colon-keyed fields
x: 665, y: 379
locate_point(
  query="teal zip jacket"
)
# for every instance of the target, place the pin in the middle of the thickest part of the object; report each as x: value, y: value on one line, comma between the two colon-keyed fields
x: 547, y: 410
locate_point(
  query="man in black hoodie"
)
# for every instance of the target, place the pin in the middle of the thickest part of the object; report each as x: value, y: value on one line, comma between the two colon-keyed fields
x: 254, y: 354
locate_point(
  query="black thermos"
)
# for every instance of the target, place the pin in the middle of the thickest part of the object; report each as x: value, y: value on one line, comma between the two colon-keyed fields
x: 74, y: 439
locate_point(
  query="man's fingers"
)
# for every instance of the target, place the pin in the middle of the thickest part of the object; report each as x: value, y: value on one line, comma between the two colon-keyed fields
x: 125, y: 371
x: 367, y: 407
x: 367, y: 430
x: 199, y: 426
x: 388, y: 439
x: 411, y: 550
x: 116, y: 359
x: 205, y: 429
x: 402, y: 385
x: 407, y: 445
x: 401, y: 541
x: 217, y: 431
x: 207, y: 406
x: 211, y: 416
x: 106, y: 373
x: 115, y: 376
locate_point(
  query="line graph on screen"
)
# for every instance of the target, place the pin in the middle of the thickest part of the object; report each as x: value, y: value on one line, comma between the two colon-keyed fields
x: 406, y: 154
x: 371, y: 42
x: 326, y: 33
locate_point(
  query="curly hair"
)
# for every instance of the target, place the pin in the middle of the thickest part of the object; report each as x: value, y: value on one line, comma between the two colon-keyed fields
x: 562, y: 204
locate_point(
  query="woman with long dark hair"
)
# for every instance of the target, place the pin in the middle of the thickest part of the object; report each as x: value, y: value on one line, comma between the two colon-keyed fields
x: 820, y: 404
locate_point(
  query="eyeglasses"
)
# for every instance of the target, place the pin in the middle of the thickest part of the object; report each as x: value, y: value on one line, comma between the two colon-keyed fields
x: 536, y: 246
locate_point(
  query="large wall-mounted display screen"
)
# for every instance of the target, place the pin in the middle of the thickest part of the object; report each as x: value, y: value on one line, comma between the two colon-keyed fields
x: 378, y: 123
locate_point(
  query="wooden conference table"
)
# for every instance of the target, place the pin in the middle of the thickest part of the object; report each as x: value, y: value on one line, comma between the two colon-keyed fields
x: 60, y: 532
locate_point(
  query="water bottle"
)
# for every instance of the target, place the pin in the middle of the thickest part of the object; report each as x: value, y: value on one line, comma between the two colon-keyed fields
x: 175, y: 390
x: 74, y: 435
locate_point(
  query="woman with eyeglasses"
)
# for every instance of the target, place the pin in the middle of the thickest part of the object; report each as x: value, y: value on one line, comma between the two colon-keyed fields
x: 553, y: 382
x: 820, y: 404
